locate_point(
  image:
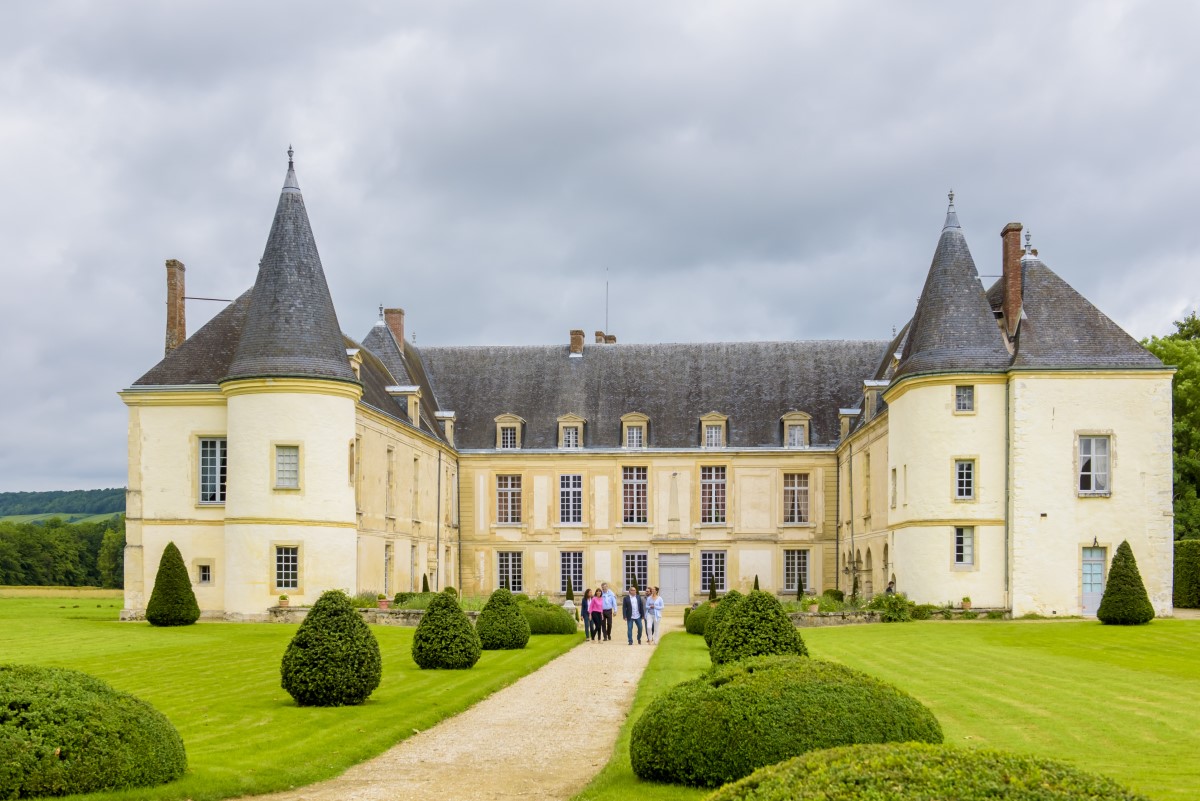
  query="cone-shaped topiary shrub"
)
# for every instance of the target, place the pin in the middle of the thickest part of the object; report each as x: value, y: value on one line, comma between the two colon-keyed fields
x: 756, y: 581
x: 334, y: 658
x: 501, y: 626
x: 424, y: 582
x: 912, y: 771
x: 719, y: 613
x: 740, y: 717
x: 757, y: 626
x: 172, y: 602
x: 712, y: 588
x: 696, y: 621
x: 445, y: 638
x: 1187, y: 574
x: 1125, y: 602
x: 63, y: 732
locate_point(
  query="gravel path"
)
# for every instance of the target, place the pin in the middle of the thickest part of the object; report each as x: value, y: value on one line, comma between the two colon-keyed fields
x: 511, y: 745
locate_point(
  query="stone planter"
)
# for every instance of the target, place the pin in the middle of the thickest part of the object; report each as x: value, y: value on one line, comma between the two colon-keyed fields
x: 283, y: 602
x: 384, y: 603
x: 966, y: 604
x: 814, y: 608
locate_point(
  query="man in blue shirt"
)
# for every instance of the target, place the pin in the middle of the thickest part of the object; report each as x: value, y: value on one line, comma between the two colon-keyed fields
x: 610, y: 603
x: 633, y: 609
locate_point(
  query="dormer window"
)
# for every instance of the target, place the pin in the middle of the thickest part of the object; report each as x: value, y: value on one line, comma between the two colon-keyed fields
x: 570, y: 431
x: 712, y: 430
x: 509, y: 428
x: 635, y: 428
x: 795, y: 429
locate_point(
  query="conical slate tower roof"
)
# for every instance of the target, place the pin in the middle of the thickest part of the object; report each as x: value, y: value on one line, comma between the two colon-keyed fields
x: 953, y: 328
x: 291, y: 329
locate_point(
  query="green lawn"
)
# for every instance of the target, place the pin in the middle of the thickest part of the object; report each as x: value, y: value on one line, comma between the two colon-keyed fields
x: 1124, y: 702
x: 219, y: 685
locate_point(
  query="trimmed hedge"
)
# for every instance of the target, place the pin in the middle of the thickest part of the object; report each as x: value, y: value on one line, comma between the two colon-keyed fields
x: 501, y: 626
x: 740, y: 717
x: 718, y: 615
x: 445, y: 638
x: 64, y: 732
x: 757, y: 626
x: 895, y: 608
x: 1187, y: 574
x: 918, y: 772
x: 333, y: 660
x: 1125, y: 602
x: 836, y: 595
x: 697, y: 621
x: 172, y: 602
x: 544, y: 617
x: 923, y: 611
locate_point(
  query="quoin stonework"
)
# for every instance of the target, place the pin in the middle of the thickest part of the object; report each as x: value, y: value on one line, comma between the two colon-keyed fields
x: 999, y: 447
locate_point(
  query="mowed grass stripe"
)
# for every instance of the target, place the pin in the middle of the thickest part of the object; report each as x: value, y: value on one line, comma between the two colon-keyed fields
x: 219, y: 684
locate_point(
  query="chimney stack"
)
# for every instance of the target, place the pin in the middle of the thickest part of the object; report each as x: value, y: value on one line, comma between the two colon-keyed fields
x: 610, y: 339
x: 395, y: 323
x: 599, y: 337
x: 1014, y: 283
x: 577, y: 342
x: 176, y: 322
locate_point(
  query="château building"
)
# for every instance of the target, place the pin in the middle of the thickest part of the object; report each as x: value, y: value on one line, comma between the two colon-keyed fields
x: 1000, y: 447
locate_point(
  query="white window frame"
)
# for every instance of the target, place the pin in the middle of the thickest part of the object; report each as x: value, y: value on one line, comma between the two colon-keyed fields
x: 964, y: 399
x: 635, y: 435
x: 635, y: 495
x: 1089, y: 464
x: 508, y: 438
x: 570, y: 563
x: 796, y: 563
x: 287, y: 467
x: 714, y: 435
x: 964, y: 546
x: 213, y: 466
x: 713, y: 494
x: 637, y: 566
x: 510, y: 568
x: 508, y: 499
x: 795, y: 435
x: 201, y: 569
x: 570, y: 498
x: 964, y: 479
x: 287, y: 567
x: 796, y: 498
x: 712, y: 566
x: 571, y: 436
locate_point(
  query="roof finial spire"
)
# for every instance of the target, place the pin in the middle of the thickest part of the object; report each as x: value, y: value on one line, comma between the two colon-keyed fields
x: 292, y: 153
x: 951, y: 215
x: 1028, y: 237
x: 289, y: 183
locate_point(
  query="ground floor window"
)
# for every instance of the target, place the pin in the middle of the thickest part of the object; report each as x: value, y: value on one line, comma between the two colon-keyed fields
x: 712, y: 570
x: 795, y: 571
x: 287, y: 567
x: 204, y: 574
x: 509, y: 570
x: 964, y: 545
x: 637, y: 570
x: 571, y: 567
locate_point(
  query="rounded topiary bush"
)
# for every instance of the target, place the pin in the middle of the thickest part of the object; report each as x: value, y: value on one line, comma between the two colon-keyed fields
x: 718, y: 615
x: 757, y: 626
x: 172, y: 602
x: 697, y: 621
x: 918, y: 772
x: 501, y: 626
x: 64, y: 732
x: 1125, y: 602
x: 544, y: 617
x: 445, y: 639
x: 1187, y: 574
x: 740, y: 717
x: 334, y: 658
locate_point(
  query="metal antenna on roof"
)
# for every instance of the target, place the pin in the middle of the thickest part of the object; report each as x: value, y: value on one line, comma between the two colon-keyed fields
x: 606, y: 299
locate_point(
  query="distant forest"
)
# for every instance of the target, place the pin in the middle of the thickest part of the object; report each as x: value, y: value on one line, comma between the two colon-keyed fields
x: 91, y: 502
x: 54, y: 553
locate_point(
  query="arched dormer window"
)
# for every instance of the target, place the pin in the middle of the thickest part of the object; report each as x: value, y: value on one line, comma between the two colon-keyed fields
x: 714, y: 430
x: 635, y: 430
x: 570, y: 431
x: 510, y: 431
x: 795, y: 429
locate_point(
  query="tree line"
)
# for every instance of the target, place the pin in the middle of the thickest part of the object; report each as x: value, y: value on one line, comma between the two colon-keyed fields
x: 1182, y: 350
x: 58, y: 554
x: 90, y: 502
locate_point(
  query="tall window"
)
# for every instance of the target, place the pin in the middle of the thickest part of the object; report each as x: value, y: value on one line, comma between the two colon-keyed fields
x: 388, y: 560
x: 712, y: 569
x: 508, y: 567
x: 893, y: 490
x: 795, y: 497
x: 570, y: 436
x: 570, y: 498
x: 390, y: 485
x: 712, y: 494
x: 508, y: 437
x: 964, y: 479
x: 508, y: 499
x: 795, y: 569
x: 571, y: 567
x: 964, y: 399
x: 635, y: 436
x: 212, y: 470
x: 1093, y: 465
x: 633, y: 491
x: 287, y: 466
x: 714, y: 436
x: 637, y: 571
x: 964, y: 545
x: 287, y: 567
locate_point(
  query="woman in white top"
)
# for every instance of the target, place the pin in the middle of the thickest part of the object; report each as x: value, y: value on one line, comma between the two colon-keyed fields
x: 654, y: 607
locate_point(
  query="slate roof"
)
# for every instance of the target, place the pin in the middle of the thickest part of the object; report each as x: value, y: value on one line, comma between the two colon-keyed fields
x: 953, y: 328
x: 291, y: 328
x: 405, y: 367
x: 205, y: 356
x: 754, y: 383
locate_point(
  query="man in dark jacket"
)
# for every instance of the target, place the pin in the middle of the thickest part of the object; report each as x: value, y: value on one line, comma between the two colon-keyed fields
x: 633, y: 609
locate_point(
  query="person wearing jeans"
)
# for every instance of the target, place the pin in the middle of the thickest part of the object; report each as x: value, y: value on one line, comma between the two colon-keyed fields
x: 654, y: 607
x: 610, y: 603
x: 633, y: 609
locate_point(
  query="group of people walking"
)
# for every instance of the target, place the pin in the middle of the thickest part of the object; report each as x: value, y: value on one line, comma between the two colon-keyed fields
x: 643, y: 612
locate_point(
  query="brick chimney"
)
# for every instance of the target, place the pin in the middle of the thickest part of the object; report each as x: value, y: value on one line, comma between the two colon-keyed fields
x: 577, y: 342
x: 395, y: 323
x: 1013, y: 278
x: 599, y: 337
x: 610, y: 339
x: 176, y: 322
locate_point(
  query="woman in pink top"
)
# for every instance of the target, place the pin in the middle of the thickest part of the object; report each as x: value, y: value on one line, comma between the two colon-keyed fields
x: 596, y: 609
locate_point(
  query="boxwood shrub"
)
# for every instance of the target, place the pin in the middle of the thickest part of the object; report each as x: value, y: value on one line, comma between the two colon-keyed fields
x: 923, y: 611
x: 740, y: 717
x: 544, y: 617
x: 172, y: 602
x: 64, y: 732
x: 697, y: 621
x: 333, y: 660
x: 445, y: 638
x: 501, y: 626
x: 1125, y: 602
x: 717, y: 615
x: 918, y: 772
x: 1187, y: 574
x: 836, y: 595
x: 757, y: 626
x: 894, y: 608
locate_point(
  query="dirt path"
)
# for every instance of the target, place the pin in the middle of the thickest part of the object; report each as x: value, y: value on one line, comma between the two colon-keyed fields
x: 515, y: 744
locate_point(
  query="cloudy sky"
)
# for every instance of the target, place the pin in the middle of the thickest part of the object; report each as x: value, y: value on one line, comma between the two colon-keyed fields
x: 734, y: 171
